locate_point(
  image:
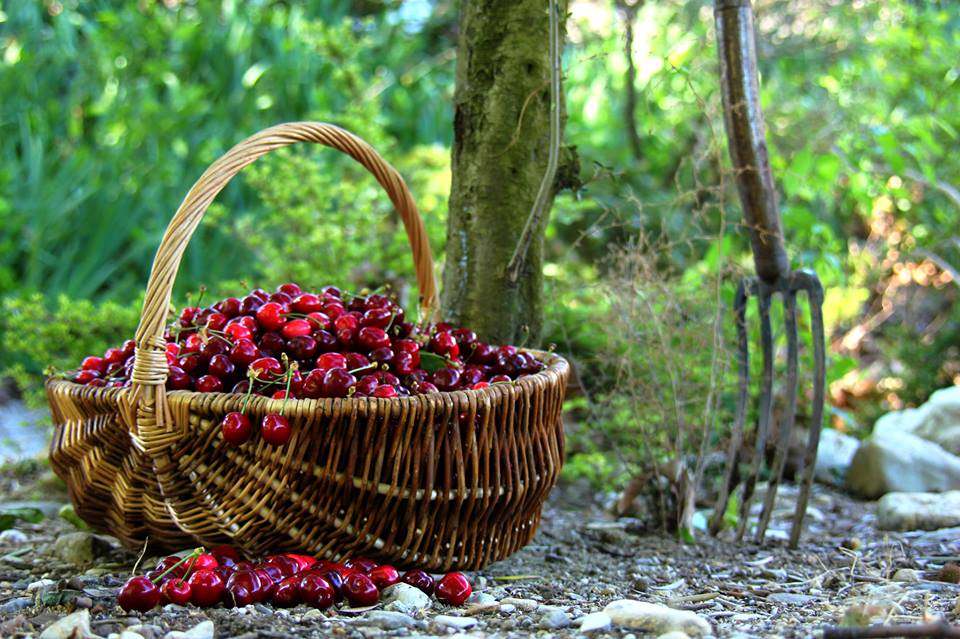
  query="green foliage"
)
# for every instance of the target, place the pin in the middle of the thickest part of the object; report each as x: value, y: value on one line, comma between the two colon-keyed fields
x: 34, y: 337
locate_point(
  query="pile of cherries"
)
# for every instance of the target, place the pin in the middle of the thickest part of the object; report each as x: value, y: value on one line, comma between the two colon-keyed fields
x: 221, y: 576
x: 297, y: 344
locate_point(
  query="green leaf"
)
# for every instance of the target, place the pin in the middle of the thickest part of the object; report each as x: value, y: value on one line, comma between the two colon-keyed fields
x: 69, y: 514
x: 431, y: 362
x: 9, y: 516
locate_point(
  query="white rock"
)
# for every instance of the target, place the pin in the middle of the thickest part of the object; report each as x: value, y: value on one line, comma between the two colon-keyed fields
x: 901, y: 462
x: 834, y: 455
x: 388, y: 620
x: 907, y: 575
x: 554, y: 618
x: 480, y: 598
x: 651, y: 617
x: 674, y: 634
x: 938, y: 420
x: 313, y: 613
x: 508, y: 608
x: 41, y: 584
x: 527, y: 605
x: 405, y: 598
x: 203, y: 630
x: 458, y: 623
x: 73, y: 626
x: 595, y: 621
x: 919, y: 511
x: 13, y: 537
x: 130, y: 634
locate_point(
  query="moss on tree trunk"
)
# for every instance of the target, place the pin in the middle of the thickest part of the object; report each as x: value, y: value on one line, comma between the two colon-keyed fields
x: 500, y: 150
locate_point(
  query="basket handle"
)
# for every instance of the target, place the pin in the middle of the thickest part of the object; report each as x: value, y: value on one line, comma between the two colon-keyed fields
x: 150, y: 366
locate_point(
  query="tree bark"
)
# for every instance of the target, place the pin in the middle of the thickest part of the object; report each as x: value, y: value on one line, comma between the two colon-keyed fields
x: 500, y: 152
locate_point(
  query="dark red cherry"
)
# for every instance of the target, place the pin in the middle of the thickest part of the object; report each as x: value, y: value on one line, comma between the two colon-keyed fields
x: 446, y: 379
x: 275, y: 429
x: 360, y: 590
x: 384, y: 576
x: 370, y: 338
x: 377, y: 317
x: 314, y: 590
x: 92, y: 363
x: 243, y: 588
x: 385, y: 392
x: 361, y: 564
x: 302, y: 347
x: 209, y: 384
x: 176, y: 591
x: 338, y: 382
x: 419, y: 579
x: 286, y: 594
x: 178, y: 379
x: 229, y: 306
x: 236, y: 428
x: 221, y: 366
x: 140, y: 594
x: 331, y: 360
x: 290, y: 288
x: 453, y: 589
x: 307, y: 303
x: 444, y: 343
x: 244, y: 352
x: 381, y: 355
x: 296, y: 328
x: 355, y: 361
x: 266, y: 368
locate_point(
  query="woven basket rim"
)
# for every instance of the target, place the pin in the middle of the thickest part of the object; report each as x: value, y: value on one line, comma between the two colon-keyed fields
x: 556, y: 367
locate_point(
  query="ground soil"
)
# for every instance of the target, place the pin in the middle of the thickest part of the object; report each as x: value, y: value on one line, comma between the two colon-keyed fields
x: 581, y: 559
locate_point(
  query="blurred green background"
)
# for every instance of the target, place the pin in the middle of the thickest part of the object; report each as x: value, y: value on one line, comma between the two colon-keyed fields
x: 111, y: 110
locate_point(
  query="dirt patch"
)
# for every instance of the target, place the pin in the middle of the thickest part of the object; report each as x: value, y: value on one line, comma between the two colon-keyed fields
x: 581, y: 559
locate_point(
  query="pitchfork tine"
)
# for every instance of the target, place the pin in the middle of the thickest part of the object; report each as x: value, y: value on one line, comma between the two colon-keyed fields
x: 808, y: 281
x: 786, y: 427
x: 764, y: 297
x: 736, y: 437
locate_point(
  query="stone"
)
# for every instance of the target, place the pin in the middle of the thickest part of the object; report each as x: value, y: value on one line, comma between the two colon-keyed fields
x: 405, y: 598
x: 203, y: 630
x: 388, y: 620
x: 554, y: 619
x: 834, y: 455
x: 458, y: 623
x: 130, y: 634
x: 508, y: 608
x: 13, y: 605
x: 918, y: 511
x: 595, y: 621
x: 78, y: 548
x: 311, y: 614
x: 41, y: 584
x: 527, y: 605
x: 791, y: 599
x: 652, y: 617
x: 901, y: 462
x: 13, y: 537
x: 674, y: 634
x: 73, y: 626
x: 480, y: 598
x: 907, y: 575
x: 937, y: 420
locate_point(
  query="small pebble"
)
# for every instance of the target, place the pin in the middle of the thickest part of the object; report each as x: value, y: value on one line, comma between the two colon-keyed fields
x: 907, y: 575
x: 527, y: 605
x: 508, y: 608
x: 311, y: 614
x: 459, y: 623
x: 595, y: 621
x: 13, y: 537
x: 554, y: 619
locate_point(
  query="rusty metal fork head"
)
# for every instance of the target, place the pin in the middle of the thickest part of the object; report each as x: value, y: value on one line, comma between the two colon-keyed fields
x: 746, y: 136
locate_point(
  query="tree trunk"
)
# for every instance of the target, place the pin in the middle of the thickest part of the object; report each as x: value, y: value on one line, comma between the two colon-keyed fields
x: 500, y: 151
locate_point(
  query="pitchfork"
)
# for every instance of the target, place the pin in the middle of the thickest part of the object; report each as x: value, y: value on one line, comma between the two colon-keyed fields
x: 748, y: 151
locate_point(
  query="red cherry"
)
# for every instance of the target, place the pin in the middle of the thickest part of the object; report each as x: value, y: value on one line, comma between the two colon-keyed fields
x: 338, y: 382
x: 482, y: 353
x: 209, y: 384
x: 207, y: 588
x: 320, y: 320
x: 361, y: 564
x: 271, y: 316
x: 496, y: 379
x: 114, y: 355
x: 333, y: 310
x: 335, y: 579
x: 216, y: 321
x: 385, y: 391
x: 419, y: 579
x: 236, y: 428
x: 244, y: 352
x: 312, y: 386
x: 316, y: 591
x: 480, y: 385
x: 288, y: 567
x: 226, y: 555
x: 266, y: 367
x: 302, y: 347
x: 371, y: 338
x: 378, y: 317
x: 444, y: 343
x: 360, y: 590
x: 331, y: 360
x: 243, y: 588
x: 176, y: 591
x: 290, y: 288
x: 221, y: 366
x: 92, y: 363
x: 286, y: 594
x: 237, y: 331
x: 204, y: 561
x: 307, y: 303
x: 405, y: 363
x: 178, y: 379
x: 426, y: 388
x: 446, y: 379
x: 453, y: 589
x: 355, y: 361
x: 384, y: 576
x: 229, y: 307
x: 140, y: 594
x: 275, y: 429
x: 296, y: 328
x: 269, y: 576
x: 304, y: 561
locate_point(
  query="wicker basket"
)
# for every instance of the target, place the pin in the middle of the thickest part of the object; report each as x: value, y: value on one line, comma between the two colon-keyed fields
x: 441, y: 481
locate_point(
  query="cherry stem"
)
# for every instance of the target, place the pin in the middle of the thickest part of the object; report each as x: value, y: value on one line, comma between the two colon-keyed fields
x: 191, y: 557
x: 286, y: 393
x: 363, y: 368
x: 246, y: 399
